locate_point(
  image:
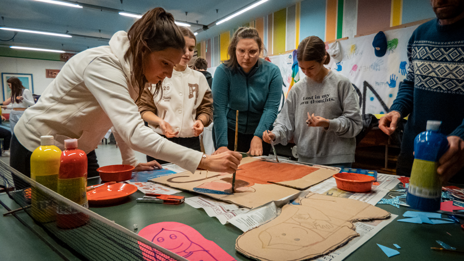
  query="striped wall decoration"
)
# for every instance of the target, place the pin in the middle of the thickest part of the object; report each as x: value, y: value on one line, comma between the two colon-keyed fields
x: 312, y: 19
x: 396, y: 12
x: 331, y: 20
x: 216, y: 52
x: 340, y: 7
x: 270, y: 34
x: 297, y: 25
x: 291, y: 26
x: 416, y: 10
x: 350, y: 18
x: 208, y: 50
x: 224, y: 44
x: 373, y: 16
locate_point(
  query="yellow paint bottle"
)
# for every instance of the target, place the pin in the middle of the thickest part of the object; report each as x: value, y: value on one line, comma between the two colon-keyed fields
x: 45, y: 167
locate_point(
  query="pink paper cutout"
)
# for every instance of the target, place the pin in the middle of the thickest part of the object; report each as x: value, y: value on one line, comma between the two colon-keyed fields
x: 449, y: 207
x: 182, y: 240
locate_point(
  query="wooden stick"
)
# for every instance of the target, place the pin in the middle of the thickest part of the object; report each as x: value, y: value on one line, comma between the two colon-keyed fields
x: 235, y: 149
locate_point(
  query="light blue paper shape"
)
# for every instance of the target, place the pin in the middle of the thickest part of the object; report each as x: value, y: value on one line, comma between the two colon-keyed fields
x: 397, y: 246
x: 417, y: 213
x: 425, y: 219
x: 441, y: 221
x: 416, y: 220
x: 389, y: 251
x: 445, y: 246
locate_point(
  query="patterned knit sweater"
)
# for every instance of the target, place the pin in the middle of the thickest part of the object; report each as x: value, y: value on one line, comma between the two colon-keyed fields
x: 434, y: 86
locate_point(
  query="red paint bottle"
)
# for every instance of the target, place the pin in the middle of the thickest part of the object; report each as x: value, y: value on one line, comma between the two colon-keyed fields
x: 72, y: 184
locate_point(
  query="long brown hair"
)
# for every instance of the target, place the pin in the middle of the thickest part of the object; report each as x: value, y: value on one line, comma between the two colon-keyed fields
x: 155, y: 31
x: 312, y: 48
x: 16, y: 88
x: 241, y: 33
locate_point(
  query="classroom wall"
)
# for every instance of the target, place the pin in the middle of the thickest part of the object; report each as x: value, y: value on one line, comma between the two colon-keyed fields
x: 35, y: 67
x: 330, y: 20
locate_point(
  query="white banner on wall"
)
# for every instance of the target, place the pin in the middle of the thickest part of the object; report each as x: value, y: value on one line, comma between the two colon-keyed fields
x: 360, y: 64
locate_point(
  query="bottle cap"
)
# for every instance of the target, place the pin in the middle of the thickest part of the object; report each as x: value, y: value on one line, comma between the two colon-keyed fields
x: 70, y: 144
x: 433, y: 125
x: 47, y: 140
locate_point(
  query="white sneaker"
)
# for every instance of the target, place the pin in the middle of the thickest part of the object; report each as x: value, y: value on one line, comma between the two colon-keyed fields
x: 5, y: 153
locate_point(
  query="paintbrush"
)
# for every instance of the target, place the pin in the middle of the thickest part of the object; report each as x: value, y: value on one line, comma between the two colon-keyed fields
x: 448, y: 250
x: 273, y: 148
x: 235, y: 149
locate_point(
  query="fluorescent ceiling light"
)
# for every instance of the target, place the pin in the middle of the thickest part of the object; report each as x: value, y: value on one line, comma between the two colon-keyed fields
x: 140, y: 16
x: 195, y: 33
x: 34, y: 32
x: 37, y: 49
x: 182, y: 24
x: 60, y: 3
x: 130, y: 15
x: 241, y: 11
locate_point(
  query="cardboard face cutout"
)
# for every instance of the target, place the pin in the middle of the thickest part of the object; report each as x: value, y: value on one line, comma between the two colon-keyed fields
x: 319, y: 225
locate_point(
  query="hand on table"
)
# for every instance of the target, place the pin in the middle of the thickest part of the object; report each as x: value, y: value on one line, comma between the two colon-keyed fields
x: 389, y: 122
x: 317, y: 121
x: 198, y: 128
x: 268, y: 136
x: 453, y: 159
x: 148, y: 166
x: 221, y: 150
x: 167, y: 129
x: 256, y: 147
x: 223, y: 162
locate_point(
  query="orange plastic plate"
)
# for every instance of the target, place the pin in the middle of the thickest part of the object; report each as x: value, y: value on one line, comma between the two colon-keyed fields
x: 110, y: 193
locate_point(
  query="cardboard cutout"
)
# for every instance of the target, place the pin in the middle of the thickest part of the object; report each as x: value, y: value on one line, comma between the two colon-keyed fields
x: 257, y: 182
x: 319, y: 225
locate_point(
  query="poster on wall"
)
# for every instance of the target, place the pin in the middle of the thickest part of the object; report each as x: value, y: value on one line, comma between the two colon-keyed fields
x: 25, y: 78
x: 360, y: 64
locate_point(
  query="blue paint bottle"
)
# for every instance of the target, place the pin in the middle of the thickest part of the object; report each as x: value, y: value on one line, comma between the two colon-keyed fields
x: 424, y: 192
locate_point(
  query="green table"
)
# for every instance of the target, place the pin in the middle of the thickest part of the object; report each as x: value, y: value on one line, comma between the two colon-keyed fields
x: 415, y: 240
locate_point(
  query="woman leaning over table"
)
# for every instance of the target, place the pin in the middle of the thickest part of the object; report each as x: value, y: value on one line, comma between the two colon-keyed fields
x: 97, y: 89
x: 250, y: 85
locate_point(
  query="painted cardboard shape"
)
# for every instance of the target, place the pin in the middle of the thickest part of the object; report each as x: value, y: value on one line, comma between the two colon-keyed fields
x: 257, y: 182
x: 182, y: 240
x: 316, y: 227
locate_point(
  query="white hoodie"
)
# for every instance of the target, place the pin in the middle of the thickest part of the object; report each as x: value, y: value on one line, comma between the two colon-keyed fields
x: 91, y: 94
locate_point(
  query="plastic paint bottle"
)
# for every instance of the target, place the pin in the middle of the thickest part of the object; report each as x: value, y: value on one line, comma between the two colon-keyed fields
x: 424, y: 192
x: 72, y: 184
x: 45, y: 166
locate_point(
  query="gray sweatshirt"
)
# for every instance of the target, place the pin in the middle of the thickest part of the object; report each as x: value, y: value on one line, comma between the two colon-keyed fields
x: 334, y: 99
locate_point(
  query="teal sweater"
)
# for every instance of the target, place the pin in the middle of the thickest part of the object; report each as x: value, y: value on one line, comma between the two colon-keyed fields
x: 256, y: 95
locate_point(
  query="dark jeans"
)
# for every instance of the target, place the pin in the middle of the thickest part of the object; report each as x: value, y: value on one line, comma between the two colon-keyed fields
x: 6, y: 135
x: 404, y: 167
x: 243, y: 142
x: 193, y: 143
x: 20, y: 159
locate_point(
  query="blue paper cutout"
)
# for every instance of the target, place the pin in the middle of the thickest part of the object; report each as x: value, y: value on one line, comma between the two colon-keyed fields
x: 389, y: 251
x: 445, y: 246
x: 418, y: 213
x: 397, y: 246
x: 211, y: 191
x: 441, y: 221
x: 144, y: 176
x: 416, y: 220
x: 425, y: 219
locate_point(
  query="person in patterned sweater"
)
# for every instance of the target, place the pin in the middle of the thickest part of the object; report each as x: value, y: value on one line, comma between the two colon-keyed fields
x: 433, y: 89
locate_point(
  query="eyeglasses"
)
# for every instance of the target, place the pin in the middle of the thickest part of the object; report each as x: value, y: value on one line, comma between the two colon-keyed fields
x: 251, y: 53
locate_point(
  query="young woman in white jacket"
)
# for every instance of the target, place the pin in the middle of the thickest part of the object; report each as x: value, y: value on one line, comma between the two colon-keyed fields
x: 97, y: 89
x: 184, y: 106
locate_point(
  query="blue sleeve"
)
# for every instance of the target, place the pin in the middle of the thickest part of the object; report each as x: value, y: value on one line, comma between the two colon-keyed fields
x: 405, y: 98
x: 272, y: 104
x: 459, y: 131
x: 221, y: 85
